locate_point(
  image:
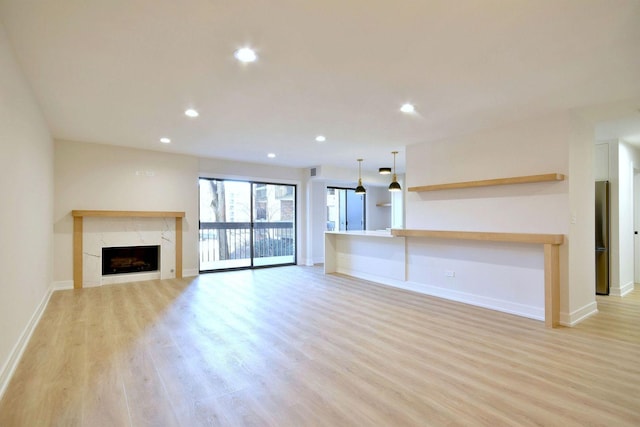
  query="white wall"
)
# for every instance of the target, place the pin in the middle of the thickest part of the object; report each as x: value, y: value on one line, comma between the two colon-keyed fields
x: 222, y: 168
x: 228, y: 169
x: 378, y: 217
x: 577, y: 295
x: 103, y: 177
x: 26, y: 174
x: 503, y: 276
x: 626, y: 251
x: 317, y: 214
x: 622, y: 220
x: 601, y: 162
x: 95, y: 176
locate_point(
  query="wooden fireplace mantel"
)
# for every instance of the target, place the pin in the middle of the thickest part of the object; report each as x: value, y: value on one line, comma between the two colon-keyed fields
x: 78, y: 216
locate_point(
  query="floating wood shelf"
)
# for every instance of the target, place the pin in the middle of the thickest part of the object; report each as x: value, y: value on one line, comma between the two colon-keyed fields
x: 383, y: 204
x: 491, y: 182
x: 551, y: 244
x: 78, y: 217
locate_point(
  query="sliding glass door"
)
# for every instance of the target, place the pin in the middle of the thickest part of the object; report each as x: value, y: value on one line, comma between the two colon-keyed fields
x: 246, y: 224
x: 345, y: 209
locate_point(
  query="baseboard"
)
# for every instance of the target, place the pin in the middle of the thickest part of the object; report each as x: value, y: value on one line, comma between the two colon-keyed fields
x: 622, y: 290
x: 577, y: 316
x: 18, y: 349
x: 517, y: 309
x: 190, y: 272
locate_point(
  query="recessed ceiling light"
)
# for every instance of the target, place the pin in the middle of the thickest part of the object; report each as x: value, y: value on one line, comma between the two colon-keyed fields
x: 271, y: 155
x: 245, y: 55
x: 191, y: 113
x: 408, y: 108
x: 321, y: 138
x: 165, y: 140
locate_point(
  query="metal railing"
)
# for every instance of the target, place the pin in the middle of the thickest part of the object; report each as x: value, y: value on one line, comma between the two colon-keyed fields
x: 232, y: 240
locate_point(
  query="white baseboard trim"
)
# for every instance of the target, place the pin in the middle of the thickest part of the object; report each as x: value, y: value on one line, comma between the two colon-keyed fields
x: 190, y: 272
x: 310, y: 262
x: 517, y: 309
x: 18, y: 349
x: 622, y: 290
x: 62, y: 285
x: 577, y: 316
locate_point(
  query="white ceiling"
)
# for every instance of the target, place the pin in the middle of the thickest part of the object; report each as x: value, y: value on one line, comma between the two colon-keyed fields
x: 122, y: 72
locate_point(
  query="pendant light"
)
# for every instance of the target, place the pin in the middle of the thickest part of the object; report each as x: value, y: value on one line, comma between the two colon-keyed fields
x: 360, y: 189
x: 384, y: 171
x: 394, y: 186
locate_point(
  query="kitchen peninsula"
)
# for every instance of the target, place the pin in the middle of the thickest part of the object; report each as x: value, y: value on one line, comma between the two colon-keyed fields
x: 381, y: 256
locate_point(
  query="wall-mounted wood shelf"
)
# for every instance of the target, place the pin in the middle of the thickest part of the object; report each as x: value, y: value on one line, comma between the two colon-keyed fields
x: 551, y: 244
x: 78, y: 216
x: 491, y: 182
x: 383, y: 204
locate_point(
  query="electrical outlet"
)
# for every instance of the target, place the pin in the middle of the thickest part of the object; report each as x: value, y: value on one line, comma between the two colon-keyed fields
x: 450, y: 273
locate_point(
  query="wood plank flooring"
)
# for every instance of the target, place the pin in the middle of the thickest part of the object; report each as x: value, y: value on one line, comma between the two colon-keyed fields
x: 293, y: 347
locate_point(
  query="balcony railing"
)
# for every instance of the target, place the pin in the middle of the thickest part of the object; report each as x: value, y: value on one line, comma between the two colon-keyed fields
x: 220, y: 241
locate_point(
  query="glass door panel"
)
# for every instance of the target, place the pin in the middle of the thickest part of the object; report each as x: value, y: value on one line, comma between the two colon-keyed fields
x: 355, y: 210
x: 345, y: 209
x: 273, y: 224
x: 225, y: 224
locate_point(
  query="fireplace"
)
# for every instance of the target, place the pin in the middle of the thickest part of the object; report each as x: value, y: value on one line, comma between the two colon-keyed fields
x: 130, y: 259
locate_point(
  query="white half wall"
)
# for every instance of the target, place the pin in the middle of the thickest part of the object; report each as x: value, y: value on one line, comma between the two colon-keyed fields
x: 510, y: 275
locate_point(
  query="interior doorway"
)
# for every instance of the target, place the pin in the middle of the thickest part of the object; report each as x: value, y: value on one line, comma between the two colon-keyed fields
x: 345, y: 209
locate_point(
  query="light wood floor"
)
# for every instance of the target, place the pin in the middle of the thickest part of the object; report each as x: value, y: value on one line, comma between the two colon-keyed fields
x: 292, y: 347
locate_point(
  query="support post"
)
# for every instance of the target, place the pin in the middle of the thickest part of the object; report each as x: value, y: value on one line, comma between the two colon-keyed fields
x: 179, y: 247
x: 77, y: 252
x: 551, y: 285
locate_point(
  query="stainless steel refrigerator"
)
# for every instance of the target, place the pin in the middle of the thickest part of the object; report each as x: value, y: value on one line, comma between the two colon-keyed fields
x: 602, y: 237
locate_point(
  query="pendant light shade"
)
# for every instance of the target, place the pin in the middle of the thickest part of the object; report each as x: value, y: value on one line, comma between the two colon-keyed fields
x: 395, y: 185
x: 384, y: 171
x: 360, y: 189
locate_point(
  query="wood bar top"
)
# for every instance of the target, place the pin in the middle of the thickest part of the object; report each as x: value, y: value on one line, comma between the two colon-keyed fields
x: 137, y: 214
x: 553, y: 239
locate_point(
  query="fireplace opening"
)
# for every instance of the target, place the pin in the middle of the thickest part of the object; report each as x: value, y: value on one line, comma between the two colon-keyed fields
x: 130, y: 259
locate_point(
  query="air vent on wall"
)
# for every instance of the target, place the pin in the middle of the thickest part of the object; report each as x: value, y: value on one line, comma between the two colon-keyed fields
x: 312, y: 171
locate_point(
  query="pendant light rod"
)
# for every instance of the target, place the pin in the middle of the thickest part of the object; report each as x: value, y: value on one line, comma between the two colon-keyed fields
x: 395, y: 185
x: 360, y: 189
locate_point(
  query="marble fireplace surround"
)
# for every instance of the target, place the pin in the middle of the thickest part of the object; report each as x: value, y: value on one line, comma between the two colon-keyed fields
x: 79, y: 235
